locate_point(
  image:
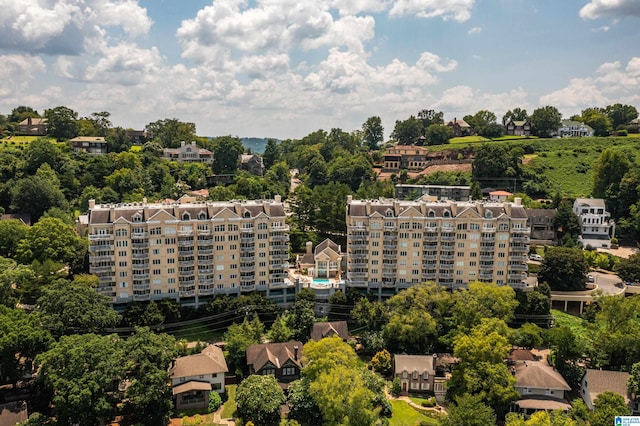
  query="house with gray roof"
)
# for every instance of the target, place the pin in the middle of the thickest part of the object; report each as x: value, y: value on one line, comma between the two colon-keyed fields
x: 423, y: 373
x: 540, y: 386
x: 518, y: 128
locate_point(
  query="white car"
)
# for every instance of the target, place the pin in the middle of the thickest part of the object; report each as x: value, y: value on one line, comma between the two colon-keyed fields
x: 591, y: 278
x: 536, y: 257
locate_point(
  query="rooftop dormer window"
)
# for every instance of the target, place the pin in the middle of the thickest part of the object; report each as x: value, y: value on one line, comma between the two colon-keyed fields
x: 186, y: 216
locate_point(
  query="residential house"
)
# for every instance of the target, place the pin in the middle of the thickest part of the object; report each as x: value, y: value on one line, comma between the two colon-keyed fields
x: 518, y: 127
x: 421, y: 373
x: 634, y: 125
x: 193, y: 377
x: 137, y: 137
x: 597, y: 227
x: 460, y: 127
x: 13, y: 413
x: 34, y: 126
x: 324, y: 262
x: 594, y: 382
x: 541, y: 223
x: 321, y: 330
x: 540, y: 386
x: 571, y: 129
x: 252, y: 163
x: 441, y: 192
x: 499, y: 196
x: 95, y: 145
x: 281, y: 360
x: 401, y: 157
x: 188, y: 153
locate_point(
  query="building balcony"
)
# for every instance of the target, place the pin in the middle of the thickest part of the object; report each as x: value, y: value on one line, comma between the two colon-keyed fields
x: 103, y: 268
x: 389, y: 274
x: 390, y: 256
x: 205, y: 262
x: 100, y: 237
x: 518, y: 267
x: 205, y: 250
x: 186, y: 263
x: 519, y: 249
x: 520, y: 276
x: 488, y: 238
x: 247, y: 278
x: 205, y: 271
x: 446, y: 266
x: 205, y: 281
x: 447, y: 237
x: 357, y: 275
x: 188, y: 293
x: 248, y: 287
x: 100, y: 247
x: 523, y: 239
x: 279, y: 275
x: 247, y: 268
x: 140, y: 276
x: 187, y: 273
x: 279, y: 238
x: 247, y: 259
x: 486, y: 257
x: 430, y: 256
x: 432, y: 238
x: 141, y: 287
x: 280, y: 256
x: 139, y: 235
x: 357, y: 237
x: 107, y: 280
x: 445, y: 275
x: 103, y: 258
x: 140, y: 297
x: 204, y: 231
x: 185, y: 253
x: 486, y: 276
x: 205, y: 291
x: 140, y: 266
x: 357, y: 255
x: 139, y: 245
x: 140, y: 255
x: 488, y: 230
x: 184, y: 232
x: 431, y: 229
x: 247, y: 238
x: 429, y: 276
x: 446, y: 256
x: 185, y: 243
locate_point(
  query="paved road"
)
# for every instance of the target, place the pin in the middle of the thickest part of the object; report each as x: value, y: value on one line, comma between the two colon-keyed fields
x: 607, y: 282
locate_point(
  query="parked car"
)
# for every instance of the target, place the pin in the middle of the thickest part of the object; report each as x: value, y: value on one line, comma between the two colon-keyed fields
x: 536, y: 257
x: 591, y: 279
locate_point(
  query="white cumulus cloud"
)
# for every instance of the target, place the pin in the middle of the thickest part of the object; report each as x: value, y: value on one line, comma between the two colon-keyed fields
x: 616, y: 8
x: 64, y: 26
x: 458, y: 10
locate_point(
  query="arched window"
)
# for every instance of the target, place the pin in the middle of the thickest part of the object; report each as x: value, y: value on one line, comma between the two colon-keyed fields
x: 431, y: 213
x: 488, y: 214
x: 202, y: 216
x: 137, y: 217
x: 186, y: 216
x: 388, y: 213
x: 446, y: 213
x: 247, y: 214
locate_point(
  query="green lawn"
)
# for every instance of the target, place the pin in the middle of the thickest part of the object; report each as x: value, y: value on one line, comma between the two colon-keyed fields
x: 575, y: 323
x: 229, y: 409
x: 196, y: 332
x: 405, y: 415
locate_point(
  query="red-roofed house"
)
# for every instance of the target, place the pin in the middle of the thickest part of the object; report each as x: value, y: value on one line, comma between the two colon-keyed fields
x: 500, y: 196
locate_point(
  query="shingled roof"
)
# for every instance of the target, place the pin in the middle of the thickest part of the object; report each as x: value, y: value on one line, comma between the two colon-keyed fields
x: 321, y: 330
x: 275, y: 353
x: 539, y: 375
x: 209, y: 361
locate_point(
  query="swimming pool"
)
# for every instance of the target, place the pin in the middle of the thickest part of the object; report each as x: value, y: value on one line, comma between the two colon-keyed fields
x: 321, y: 281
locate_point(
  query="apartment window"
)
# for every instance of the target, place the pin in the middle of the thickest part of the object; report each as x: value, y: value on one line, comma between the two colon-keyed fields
x: 123, y: 274
x: 416, y: 244
x: 156, y: 272
x: 460, y: 245
x: 171, y: 271
x: 156, y: 251
x: 171, y: 250
x: 155, y: 231
x: 219, y: 267
x: 122, y: 264
x: 124, y: 284
x: 169, y: 241
x: 121, y: 232
x: 123, y: 243
x: 122, y: 253
x: 156, y: 261
x: 403, y: 253
x: 171, y: 260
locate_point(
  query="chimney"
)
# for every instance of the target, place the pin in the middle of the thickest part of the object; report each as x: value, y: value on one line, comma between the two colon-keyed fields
x: 278, y: 198
x: 517, y: 201
x: 92, y: 204
x: 295, y: 352
x: 144, y: 200
x: 309, y: 245
x: 349, y: 199
x: 182, y: 143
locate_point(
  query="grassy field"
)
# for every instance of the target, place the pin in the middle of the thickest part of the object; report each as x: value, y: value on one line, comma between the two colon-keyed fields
x: 405, y: 415
x: 229, y: 409
x: 564, y: 319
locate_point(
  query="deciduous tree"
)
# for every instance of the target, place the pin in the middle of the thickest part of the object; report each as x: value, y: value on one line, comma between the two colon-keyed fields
x: 62, y: 122
x: 259, y: 399
x: 226, y: 155
x: 469, y: 410
x: 606, y: 407
x: 373, y: 132
x: 564, y: 269
x: 545, y: 121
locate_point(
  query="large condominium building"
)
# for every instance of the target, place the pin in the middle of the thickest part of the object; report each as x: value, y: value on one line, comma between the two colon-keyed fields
x: 393, y: 244
x: 189, y: 251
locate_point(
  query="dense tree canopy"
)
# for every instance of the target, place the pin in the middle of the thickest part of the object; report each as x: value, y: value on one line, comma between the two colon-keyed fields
x: 373, y: 132
x: 62, y: 122
x: 564, y: 269
x: 545, y: 121
x: 72, y: 307
x: 259, y: 399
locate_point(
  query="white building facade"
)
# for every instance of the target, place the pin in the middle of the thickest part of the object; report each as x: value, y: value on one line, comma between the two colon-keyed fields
x: 596, y: 225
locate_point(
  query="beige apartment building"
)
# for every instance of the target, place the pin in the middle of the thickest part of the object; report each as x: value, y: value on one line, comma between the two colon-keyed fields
x: 189, y: 251
x: 394, y: 244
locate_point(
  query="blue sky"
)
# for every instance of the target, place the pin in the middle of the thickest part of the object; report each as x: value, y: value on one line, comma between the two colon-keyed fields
x: 284, y: 68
